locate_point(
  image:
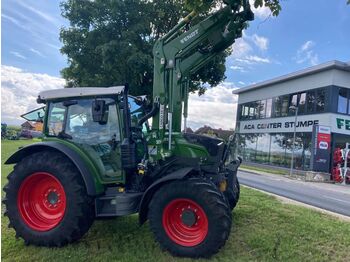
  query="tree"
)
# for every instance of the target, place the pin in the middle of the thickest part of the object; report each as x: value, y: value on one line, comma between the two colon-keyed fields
x: 109, y: 42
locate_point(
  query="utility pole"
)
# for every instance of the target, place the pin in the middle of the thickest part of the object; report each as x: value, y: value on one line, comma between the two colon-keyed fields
x: 294, y: 135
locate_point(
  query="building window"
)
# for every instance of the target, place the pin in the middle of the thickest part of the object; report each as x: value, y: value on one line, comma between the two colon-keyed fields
x: 268, y: 107
x: 246, y: 111
x: 320, y: 100
x: 310, y: 101
x: 302, y: 104
x: 247, y: 146
x: 285, y: 105
x: 262, y: 109
x: 241, y: 112
x: 263, y: 148
x: 277, y: 106
x: 342, y: 100
x: 252, y: 111
x: 293, y: 104
x: 278, y: 150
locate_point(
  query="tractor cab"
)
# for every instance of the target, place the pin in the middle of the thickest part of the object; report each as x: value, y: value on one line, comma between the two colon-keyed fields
x: 88, y: 118
x: 91, y: 121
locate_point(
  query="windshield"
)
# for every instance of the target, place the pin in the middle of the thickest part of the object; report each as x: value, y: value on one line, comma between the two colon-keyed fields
x: 74, y: 118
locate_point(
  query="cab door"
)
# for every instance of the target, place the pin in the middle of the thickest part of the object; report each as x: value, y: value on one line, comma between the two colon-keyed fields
x: 100, y: 141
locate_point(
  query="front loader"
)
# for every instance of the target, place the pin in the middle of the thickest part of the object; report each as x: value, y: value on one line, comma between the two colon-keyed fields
x: 106, y: 153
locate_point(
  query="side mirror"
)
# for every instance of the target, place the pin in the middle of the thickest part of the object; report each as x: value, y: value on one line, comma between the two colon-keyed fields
x: 240, y: 160
x: 99, y: 112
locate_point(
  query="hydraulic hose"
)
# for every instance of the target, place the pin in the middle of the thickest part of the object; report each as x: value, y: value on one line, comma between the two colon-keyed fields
x: 149, y: 115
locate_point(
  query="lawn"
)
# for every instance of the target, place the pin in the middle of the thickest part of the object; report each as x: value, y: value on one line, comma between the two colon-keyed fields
x: 264, y: 229
x: 271, y: 170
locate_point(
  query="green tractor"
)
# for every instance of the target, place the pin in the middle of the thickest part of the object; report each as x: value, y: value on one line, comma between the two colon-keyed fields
x: 106, y: 154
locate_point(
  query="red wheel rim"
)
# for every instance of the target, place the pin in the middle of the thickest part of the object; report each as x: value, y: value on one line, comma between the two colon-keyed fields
x: 186, y: 234
x: 41, y: 201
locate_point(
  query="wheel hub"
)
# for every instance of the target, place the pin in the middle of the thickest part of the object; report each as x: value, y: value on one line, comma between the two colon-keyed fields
x: 52, y: 197
x: 188, y: 217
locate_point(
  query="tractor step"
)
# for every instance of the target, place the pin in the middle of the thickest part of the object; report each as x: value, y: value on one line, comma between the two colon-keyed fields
x: 114, y: 203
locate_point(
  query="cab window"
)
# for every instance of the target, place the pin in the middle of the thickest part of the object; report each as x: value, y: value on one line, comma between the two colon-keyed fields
x: 36, y: 115
x: 83, y: 129
x: 56, y: 118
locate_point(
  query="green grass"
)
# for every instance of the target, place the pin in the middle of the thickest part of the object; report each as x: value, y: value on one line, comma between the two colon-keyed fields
x: 264, y: 229
x: 266, y: 170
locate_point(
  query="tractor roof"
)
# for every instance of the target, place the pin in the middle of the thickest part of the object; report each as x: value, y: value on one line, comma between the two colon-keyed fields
x: 79, y: 92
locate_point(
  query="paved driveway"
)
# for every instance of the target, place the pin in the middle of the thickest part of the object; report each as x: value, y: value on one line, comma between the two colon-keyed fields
x: 335, y: 198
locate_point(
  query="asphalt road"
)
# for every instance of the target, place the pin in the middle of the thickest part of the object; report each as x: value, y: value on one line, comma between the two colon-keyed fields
x: 335, y: 198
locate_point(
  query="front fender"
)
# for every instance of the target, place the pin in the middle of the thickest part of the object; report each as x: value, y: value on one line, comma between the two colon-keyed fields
x: 93, y: 186
x: 147, y: 196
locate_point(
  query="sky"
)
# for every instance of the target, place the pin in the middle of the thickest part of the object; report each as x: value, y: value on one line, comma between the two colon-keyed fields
x: 306, y: 33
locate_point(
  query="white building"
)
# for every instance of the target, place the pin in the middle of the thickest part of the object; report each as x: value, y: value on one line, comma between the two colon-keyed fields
x: 268, y: 111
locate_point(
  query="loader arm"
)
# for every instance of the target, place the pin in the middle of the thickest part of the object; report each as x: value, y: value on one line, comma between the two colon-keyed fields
x: 180, y: 53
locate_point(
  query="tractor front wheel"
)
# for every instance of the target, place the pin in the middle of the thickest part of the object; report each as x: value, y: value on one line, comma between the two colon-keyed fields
x: 190, y: 218
x: 46, y: 200
x: 232, y: 194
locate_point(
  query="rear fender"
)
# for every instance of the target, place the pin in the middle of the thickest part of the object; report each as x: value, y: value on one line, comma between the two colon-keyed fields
x: 93, y: 187
x: 147, y: 196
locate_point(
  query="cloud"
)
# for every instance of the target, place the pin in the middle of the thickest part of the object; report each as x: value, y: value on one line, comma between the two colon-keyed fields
x: 238, y: 68
x: 17, y: 54
x: 241, y: 47
x: 36, y: 52
x: 253, y: 59
x: 216, y: 108
x: 39, y: 13
x: 307, y: 45
x: 18, y: 23
x: 257, y: 59
x: 244, y: 52
x: 306, y: 54
x: 19, y: 90
x: 11, y: 19
x: 261, y: 42
x: 57, y: 47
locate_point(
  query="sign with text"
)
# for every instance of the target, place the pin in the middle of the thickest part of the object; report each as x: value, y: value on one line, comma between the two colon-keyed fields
x: 283, y: 124
x: 341, y: 124
x: 321, y: 150
x: 338, y: 123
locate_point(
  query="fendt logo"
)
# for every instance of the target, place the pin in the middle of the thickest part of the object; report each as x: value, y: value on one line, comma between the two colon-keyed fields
x: 343, y: 124
x: 189, y: 36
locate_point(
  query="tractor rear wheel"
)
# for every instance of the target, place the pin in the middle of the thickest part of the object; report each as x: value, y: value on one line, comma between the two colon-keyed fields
x: 190, y: 218
x: 46, y: 200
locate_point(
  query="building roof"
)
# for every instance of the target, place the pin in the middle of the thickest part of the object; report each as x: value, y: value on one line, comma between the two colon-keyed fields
x: 304, y: 72
x: 27, y: 123
x: 80, y: 91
